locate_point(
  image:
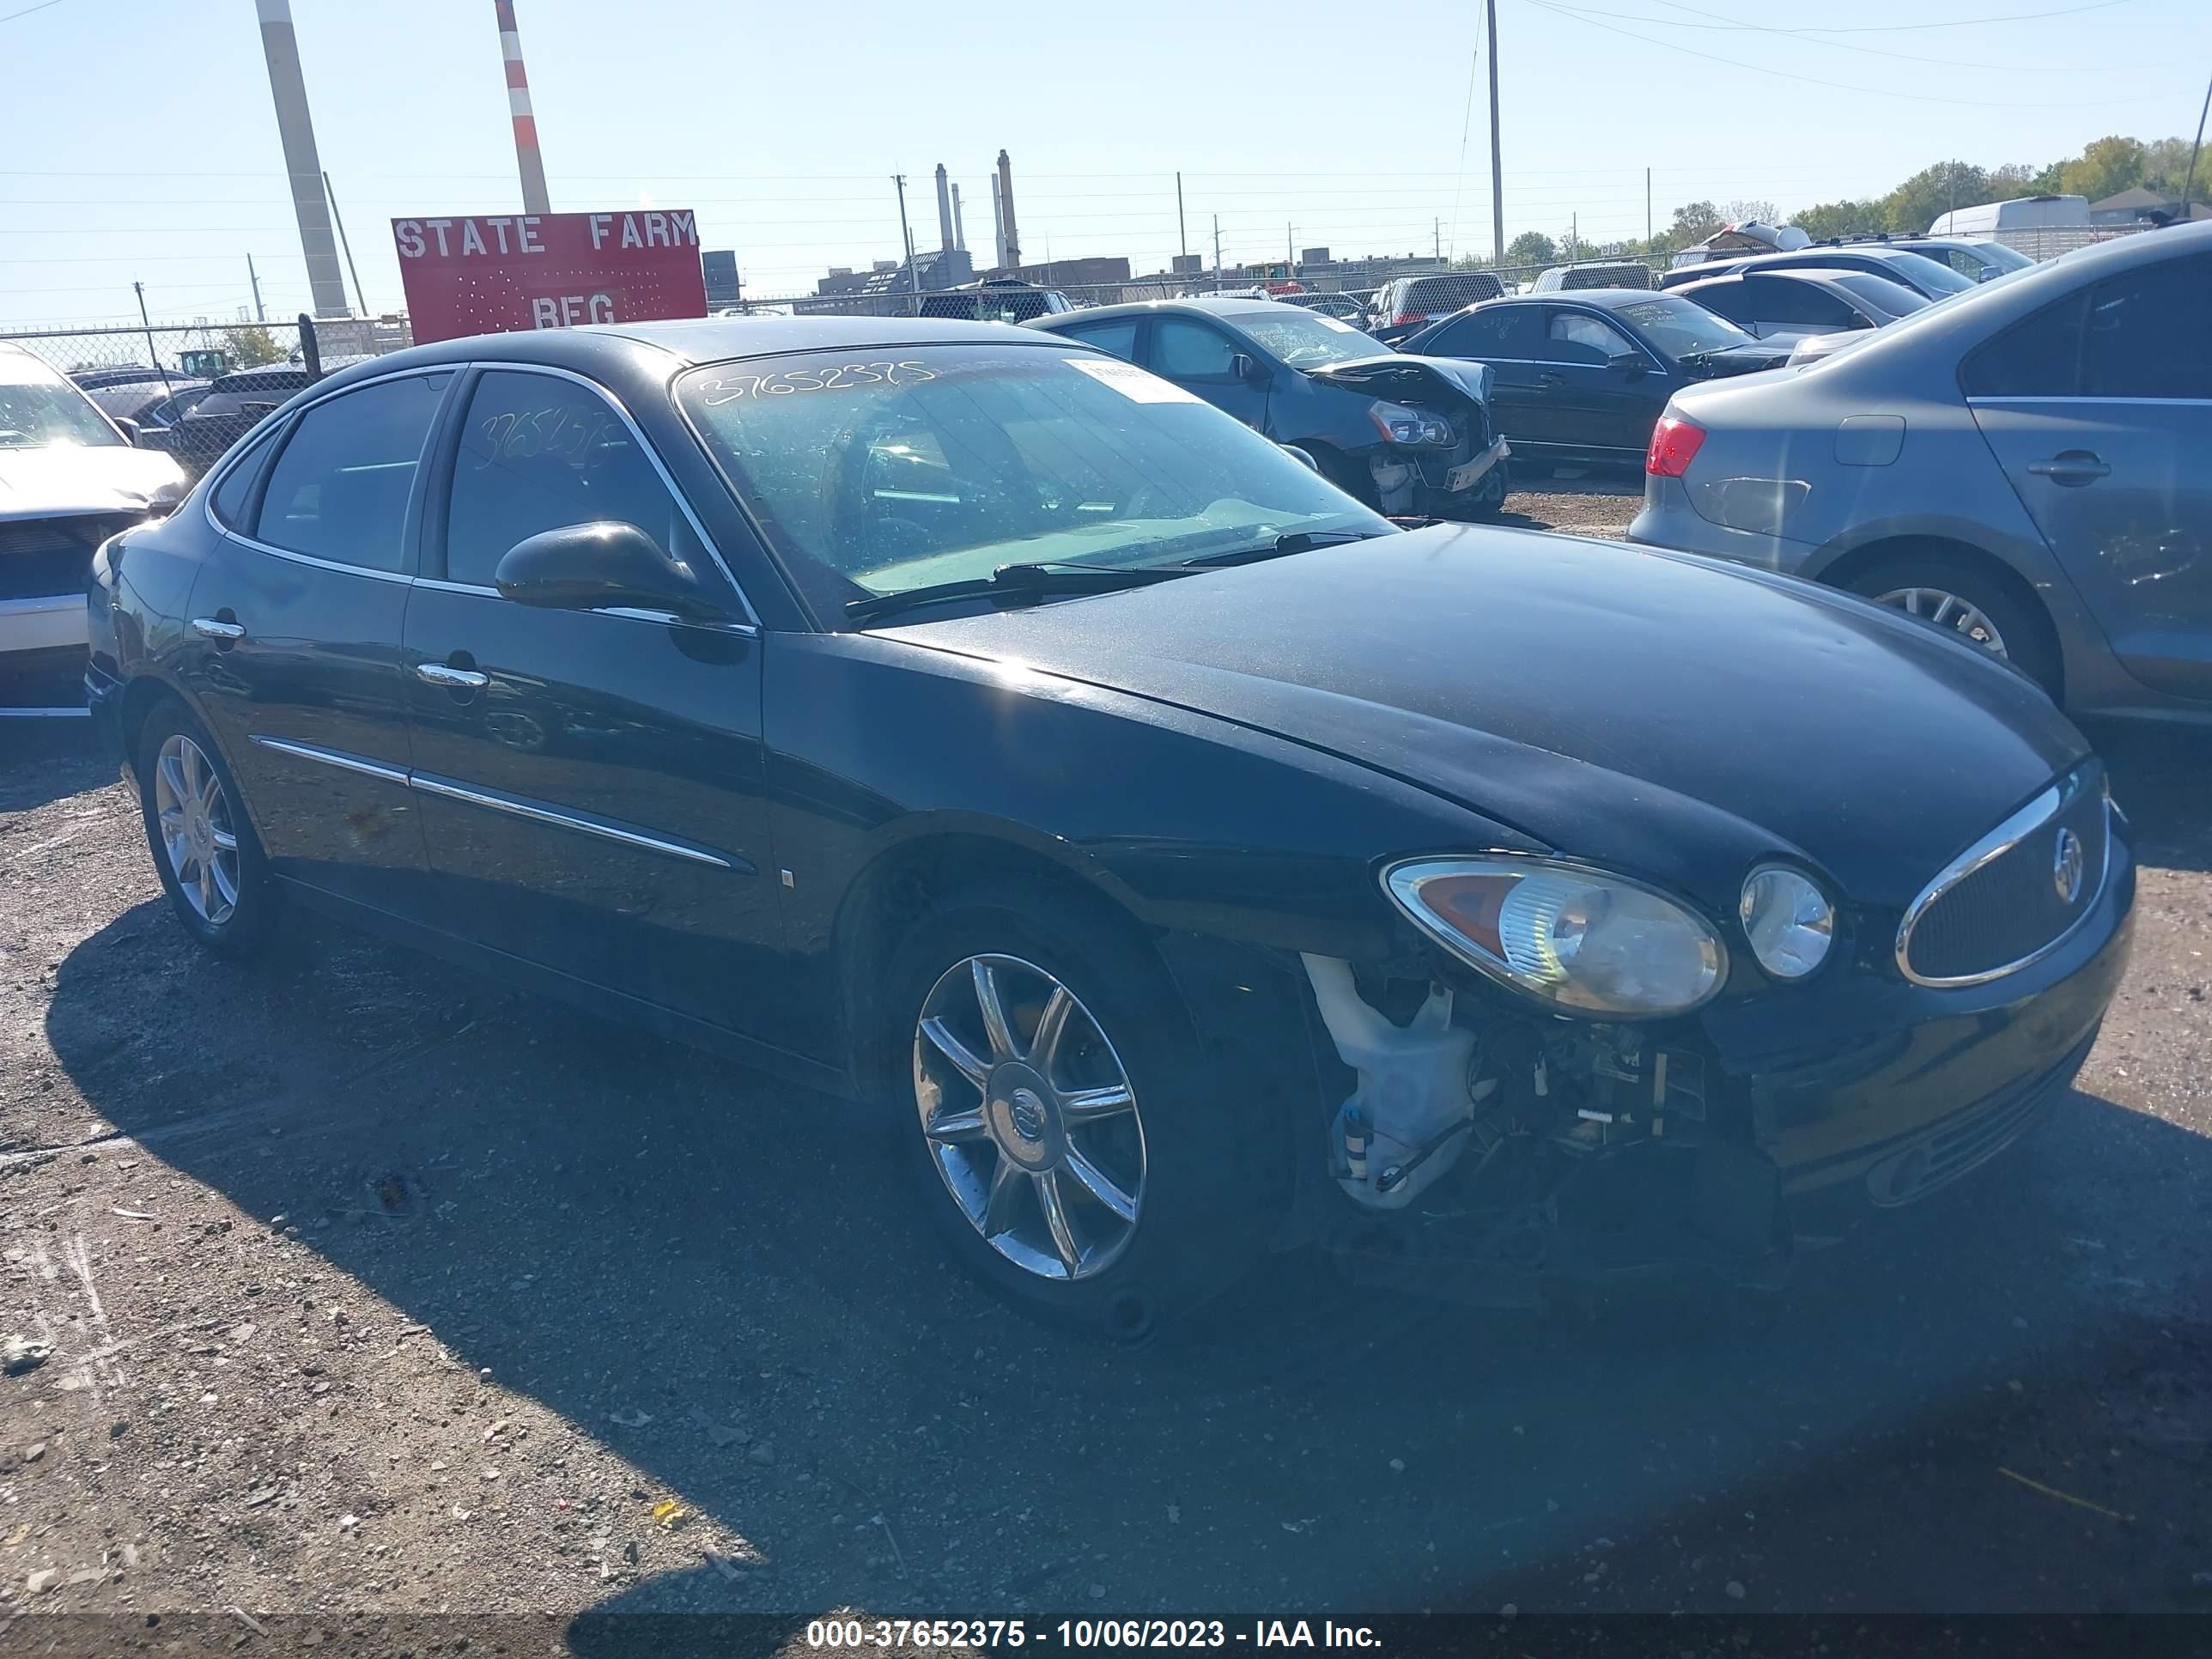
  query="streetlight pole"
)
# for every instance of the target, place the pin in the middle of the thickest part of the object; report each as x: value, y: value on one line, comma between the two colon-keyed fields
x: 1496, y: 168
x: 913, y: 277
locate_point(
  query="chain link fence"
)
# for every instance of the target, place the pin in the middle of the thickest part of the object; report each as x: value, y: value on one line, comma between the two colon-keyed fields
x: 194, y: 389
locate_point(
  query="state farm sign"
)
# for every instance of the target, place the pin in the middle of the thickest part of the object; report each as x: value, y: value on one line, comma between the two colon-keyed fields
x: 486, y: 275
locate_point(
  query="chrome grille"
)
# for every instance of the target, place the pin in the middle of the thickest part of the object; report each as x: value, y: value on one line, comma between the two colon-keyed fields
x: 2002, y: 903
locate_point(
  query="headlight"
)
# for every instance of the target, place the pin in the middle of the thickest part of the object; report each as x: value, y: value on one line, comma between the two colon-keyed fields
x: 1576, y: 938
x: 1788, y: 920
x: 1400, y: 425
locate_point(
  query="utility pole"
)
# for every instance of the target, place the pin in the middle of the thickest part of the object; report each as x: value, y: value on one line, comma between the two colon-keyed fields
x: 1182, y: 232
x: 1647, y: 209
x: 152, y: 351
x: 1436, y: 237
x: 2189, y: 177
x: 913, y: 277
x: 259, y: 315
x: 1290, y: 248
x: 338, y: 219
x: 1217, y: 253
x: 1575, y: 235
x: 1496, y: 168
x: 288, y: 87
x: 527, y: 159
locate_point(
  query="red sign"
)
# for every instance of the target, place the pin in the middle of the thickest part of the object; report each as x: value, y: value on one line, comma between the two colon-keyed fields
x: 488, y: 276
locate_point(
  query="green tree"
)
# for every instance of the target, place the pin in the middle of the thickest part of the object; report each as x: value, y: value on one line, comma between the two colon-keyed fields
x: 1841, y: 219
x: 1532, y: 247
x: 2105, y: 168
x: 1693, y: 221
x: 1742, y: 209
x: 251, y: 345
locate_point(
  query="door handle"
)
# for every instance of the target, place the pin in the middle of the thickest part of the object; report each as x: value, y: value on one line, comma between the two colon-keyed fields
x: 2071, y: 467
x: 453, y: 679
x: 223, y: 633
x: 1551, y: 379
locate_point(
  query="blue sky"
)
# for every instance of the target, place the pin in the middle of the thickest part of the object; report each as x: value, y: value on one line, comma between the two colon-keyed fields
x: 140, y: 142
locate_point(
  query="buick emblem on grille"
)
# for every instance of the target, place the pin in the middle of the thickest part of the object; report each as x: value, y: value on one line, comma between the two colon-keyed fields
x: 2066, y: 867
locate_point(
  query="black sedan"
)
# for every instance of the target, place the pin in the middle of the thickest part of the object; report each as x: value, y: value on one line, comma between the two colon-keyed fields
x: 1582, y: 376
x: 1792, y: 304
x: 1402, y: 433
x: 1185, y: 858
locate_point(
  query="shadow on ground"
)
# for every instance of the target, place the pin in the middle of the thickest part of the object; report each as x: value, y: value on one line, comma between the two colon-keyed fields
x: 613, y: 1226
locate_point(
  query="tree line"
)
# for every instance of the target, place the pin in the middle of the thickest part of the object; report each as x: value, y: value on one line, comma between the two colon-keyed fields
x: 2105, y: 168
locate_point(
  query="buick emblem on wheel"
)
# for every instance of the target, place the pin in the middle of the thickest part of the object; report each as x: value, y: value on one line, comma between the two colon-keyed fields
x: 2066, y: 865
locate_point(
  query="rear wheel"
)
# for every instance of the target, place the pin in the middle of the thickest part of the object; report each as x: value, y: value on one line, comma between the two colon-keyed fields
x: 204, y: 850
x: 1062, y: 1135
x: 1955, y: 594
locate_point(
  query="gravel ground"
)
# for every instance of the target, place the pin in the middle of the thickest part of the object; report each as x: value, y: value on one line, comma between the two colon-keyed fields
x: 372, y: 1286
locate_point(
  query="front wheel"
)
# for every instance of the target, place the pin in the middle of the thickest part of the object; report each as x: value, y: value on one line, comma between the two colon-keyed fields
x: 1062, y: 1136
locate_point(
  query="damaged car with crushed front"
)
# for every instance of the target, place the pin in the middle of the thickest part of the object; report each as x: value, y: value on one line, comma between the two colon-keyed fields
x: 1186, y: 859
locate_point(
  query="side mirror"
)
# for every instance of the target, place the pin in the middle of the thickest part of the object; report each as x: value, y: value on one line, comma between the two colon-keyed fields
x: 1632, y: 365
x: 1304, y: 458
x: 129, y: 429
x: 584, y: 567
x: 1250, y: 370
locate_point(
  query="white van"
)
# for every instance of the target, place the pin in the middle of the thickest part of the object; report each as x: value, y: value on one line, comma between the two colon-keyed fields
x: 68, y: 480
x: 2020, y: 213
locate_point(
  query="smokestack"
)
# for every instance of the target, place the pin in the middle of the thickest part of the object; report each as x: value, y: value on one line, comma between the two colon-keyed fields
x: 527, y: 156
x: 1006, y: 204
x: 998, y: 227
x: 959, y: 232
x: 943, y: 211
x: 288, y: 88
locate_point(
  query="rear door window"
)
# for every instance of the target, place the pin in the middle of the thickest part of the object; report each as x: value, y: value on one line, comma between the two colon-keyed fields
x: 1576, y: 336
x: 340, y: 489
x: 1118, y: 338
x: 2149, y: 333
x: 2040, y: 356
x: 1497, y: 334
x: 1778, y: 300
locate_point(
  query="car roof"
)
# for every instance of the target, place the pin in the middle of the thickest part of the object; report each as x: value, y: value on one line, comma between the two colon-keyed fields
x: 680, y: 342
x: 1207, y: 305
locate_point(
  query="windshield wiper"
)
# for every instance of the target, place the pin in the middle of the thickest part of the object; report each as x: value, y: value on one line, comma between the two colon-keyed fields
x: 1296, y: 541
x: 1023, y: 581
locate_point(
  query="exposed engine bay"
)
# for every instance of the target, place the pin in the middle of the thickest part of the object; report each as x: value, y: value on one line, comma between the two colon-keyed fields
x: 1526, y: 1148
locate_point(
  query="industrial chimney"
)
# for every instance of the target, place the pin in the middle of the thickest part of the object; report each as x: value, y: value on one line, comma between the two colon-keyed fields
x: 998, y: 227
x: 1006, y: 206
x: 959, y: 231
x: 943, y: 211
x: 288, y: 86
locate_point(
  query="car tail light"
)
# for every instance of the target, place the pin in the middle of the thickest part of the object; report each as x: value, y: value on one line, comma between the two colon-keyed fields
x: 1674, y: 444
x: 1405, y: 316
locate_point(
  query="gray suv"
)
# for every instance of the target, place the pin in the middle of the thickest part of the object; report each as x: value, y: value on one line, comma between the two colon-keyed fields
x: 2028, y: 465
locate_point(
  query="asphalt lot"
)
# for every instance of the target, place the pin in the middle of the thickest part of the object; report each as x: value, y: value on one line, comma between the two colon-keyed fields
x: 373, y: 1286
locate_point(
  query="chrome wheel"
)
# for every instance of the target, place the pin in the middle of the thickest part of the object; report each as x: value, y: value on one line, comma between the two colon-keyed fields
x: 1030, y: 1116
x: 1945, y: 610
x: 198, y: 832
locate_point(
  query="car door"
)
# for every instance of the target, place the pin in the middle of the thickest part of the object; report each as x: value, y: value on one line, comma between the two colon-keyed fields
x: 1587, y: 402
x: 293, y: 636
x: 2099, y: 409
x: 592, y: 781
x: 1782, y: 305
x: 1503, y: 337
x: 1201, y: 359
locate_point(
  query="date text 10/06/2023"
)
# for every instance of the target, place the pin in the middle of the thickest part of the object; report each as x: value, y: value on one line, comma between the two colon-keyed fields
x: 1086, y: 1633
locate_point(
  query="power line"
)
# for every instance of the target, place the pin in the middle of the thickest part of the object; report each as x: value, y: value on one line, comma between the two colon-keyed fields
x: 1902, y: 28
x: 1810, y: 31
x: 27, y: 10
x: 1838, y: 86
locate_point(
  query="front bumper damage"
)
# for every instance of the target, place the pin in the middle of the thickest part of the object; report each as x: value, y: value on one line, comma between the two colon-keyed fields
x: 1503, y: 1157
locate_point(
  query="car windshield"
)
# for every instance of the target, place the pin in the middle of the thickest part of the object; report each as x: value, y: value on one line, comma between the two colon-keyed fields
x: 1890, y: 299
x: 1997, y: 254
x: 877, y: 473
x: 1307, y: 340
x: 1680, y: 328
x: 40, y: 414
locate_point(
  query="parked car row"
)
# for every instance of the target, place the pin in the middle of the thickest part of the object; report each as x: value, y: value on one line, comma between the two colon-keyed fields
x: 994, y: 725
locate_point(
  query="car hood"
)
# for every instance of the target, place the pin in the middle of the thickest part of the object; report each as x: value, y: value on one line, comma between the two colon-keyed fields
x: 36, y: 483
x: 1657, y: 713
x: 1405, y: 378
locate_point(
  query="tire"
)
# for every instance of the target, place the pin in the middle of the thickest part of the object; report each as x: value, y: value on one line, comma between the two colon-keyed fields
x: 1934, y: 575
x: 229, y: 902
x: 1190, y: 1161
x: 1351, y: 476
